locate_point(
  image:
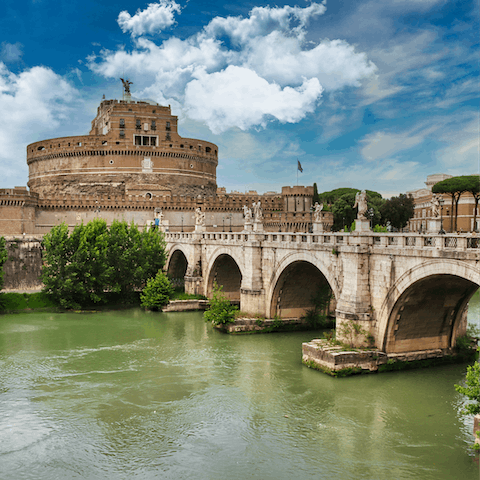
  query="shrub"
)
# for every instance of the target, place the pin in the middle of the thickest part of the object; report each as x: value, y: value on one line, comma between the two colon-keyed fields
x: 221, y: 311
x: 471, y: 390
x: 157, y: 292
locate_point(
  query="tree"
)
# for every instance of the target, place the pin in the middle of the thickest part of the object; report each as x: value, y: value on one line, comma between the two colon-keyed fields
x: 221, y: 311
x: 157, y: 292
x: 471, y: 390
x: 398, y: 210
x: 343, y: 212
x: 454, y: 187
x: 3, y: 258
x: 474, y: 189
x: 135, y: 256
x: 315, y: 198
x: 85, y: 267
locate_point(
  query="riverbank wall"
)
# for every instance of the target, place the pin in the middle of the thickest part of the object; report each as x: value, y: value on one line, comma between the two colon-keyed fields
x: 23, y: 267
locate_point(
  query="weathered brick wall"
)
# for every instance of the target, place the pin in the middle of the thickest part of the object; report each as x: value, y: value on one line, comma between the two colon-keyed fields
x: 24, y: 264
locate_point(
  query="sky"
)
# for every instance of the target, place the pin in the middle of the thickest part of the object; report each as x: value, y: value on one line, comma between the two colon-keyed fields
x: 367, y: 94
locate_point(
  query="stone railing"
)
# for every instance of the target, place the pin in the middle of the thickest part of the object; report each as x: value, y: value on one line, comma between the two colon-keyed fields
x: 385, y: 240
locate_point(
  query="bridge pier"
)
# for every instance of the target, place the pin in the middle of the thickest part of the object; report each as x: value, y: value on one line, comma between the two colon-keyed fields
x: 354, y: 307
x: 252, y: 293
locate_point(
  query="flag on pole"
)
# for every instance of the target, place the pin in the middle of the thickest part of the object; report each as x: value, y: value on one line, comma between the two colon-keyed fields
x: 300, y: 166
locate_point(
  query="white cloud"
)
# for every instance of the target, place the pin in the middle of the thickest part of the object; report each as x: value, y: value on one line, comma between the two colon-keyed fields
x: 383, y: 144
x: 260, y: 66
x: 32, y: 104
x: 155, y: 18
x: 262, y: 21
x: 11, y: 52
x: 239, y: 97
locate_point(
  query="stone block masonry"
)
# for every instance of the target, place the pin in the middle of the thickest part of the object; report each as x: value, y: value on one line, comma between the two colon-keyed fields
x: 23, y: 267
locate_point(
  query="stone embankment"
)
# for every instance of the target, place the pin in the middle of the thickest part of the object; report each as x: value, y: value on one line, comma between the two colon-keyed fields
x: 185, y: 305
x: 337, y: 360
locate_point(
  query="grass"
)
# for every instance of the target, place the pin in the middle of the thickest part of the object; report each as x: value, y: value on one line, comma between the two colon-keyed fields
x: 181, y: 295
x: 18, y: 302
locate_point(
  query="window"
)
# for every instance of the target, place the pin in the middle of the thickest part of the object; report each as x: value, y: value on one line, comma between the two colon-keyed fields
x: 168, y: 136
x: 168, y: 126
x: 138, y: 125
x: 154, y: 125
x: 145, y: 140
x: 122, y: 133
x: 122, y: 123
x: 208, y: 149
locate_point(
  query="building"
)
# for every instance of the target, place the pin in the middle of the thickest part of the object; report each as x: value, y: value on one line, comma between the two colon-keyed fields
x: 423, y: 208
x: 132, y: 165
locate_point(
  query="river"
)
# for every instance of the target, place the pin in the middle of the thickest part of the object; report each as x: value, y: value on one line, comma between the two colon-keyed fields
x: 128, y: 394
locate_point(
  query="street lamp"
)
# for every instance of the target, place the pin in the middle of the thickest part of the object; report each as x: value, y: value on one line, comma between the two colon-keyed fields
x: 441, y: 201
x: 182, y: 223
x: 280, y: 224
x: 310, y: 227
x: 231, y: 222
x: 223, y: 224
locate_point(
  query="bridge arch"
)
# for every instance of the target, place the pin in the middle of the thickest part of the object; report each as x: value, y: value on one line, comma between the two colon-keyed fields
x: 295, y: 280
x: 425, y: 308
x: 177, y: 264
x: 224, y: 269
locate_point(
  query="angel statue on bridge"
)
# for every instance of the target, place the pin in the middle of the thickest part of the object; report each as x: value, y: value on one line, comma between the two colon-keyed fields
x: 199, y: 217
x: 361, y: 203
x: 317, y: 214
x: 248, y: 214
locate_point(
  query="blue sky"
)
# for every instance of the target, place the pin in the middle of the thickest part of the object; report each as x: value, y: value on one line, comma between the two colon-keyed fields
x: 369, y: 94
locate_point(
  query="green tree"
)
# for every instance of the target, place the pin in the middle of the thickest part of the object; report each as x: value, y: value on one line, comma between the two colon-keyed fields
x: 474, y: 188
x: 85, y: 267
x: 316, y: 197
x: 56, y: 256
x: 471, y: 389
x: 221, y: 311
x: 398, y: 210
x: 329, y: 198
x: 3, y: 258
x: 454, y: 187
x: 135, y: 256
x: 343, y: 212
x: 157, y: 292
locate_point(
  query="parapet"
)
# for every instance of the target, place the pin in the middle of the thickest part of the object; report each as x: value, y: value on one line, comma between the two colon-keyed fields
x: 297, y: 191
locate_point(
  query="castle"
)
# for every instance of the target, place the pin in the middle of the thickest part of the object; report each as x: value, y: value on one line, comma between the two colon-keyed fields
x: 131, y: 166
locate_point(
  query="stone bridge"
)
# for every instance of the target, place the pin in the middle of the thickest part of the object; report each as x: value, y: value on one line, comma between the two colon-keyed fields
x: 409, y: 292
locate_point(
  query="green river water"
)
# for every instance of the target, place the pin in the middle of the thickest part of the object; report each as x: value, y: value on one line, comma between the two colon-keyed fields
x: 134, y: 395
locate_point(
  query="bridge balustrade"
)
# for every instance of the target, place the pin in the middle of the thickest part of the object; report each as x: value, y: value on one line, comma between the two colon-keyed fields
x: 385, y: 240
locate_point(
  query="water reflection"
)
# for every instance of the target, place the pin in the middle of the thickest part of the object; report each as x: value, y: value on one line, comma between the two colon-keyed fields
x: 129, y: 394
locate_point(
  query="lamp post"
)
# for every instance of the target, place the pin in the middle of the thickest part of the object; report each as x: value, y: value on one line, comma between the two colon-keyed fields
x: 310, y: 227
x: 231, y: 222
x: 441, y: 201
x: 223, y: 224
x: 280, y: 224
x: 182, y: 223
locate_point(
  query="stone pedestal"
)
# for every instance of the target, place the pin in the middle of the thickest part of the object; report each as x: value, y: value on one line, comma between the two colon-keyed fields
x: 318, y: 227
x: 434, y: 225
x: 362, y: 225
x: 248, y: 227
x: 199, y: 228
x: 257, y: 227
